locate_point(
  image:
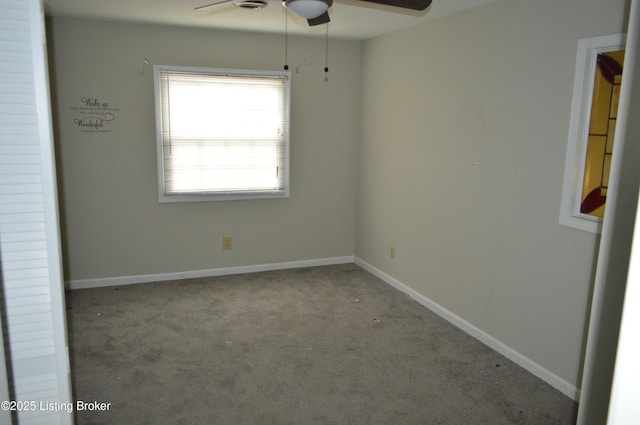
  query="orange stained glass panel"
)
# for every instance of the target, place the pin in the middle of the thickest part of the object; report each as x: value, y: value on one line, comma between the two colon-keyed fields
x: 600, y: 105
x: 602, y: 124
x: 615, y: 97
x: 593, y: 170
x: 611, y: 136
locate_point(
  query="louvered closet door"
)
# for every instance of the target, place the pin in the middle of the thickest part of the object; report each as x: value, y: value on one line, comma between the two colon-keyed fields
x: 32, y: 286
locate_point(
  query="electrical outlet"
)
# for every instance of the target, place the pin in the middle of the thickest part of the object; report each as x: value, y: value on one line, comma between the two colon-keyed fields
x: 392, y: 252
x: 227, y: 243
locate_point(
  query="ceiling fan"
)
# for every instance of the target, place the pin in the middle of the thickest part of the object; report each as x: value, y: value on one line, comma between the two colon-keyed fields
x: 315, y: 11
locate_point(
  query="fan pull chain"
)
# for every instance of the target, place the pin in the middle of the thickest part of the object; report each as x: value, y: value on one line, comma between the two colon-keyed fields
x: 326, y: 50
x: 286, y: 38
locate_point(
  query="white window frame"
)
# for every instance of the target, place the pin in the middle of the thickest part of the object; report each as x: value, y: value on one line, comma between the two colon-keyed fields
x: 588, y: 50
x: 219, y: 195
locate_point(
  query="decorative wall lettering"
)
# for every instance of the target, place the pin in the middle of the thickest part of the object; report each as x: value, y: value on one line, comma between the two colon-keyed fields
x: 94, y: 115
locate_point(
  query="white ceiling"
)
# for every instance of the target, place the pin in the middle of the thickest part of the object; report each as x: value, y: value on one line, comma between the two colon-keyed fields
x: 350, y: 19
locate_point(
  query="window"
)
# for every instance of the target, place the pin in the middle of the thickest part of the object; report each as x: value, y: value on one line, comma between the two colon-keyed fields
x: 221, y: 134
x: 591, y: 131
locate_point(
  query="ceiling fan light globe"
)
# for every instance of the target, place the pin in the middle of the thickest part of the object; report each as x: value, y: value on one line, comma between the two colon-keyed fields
x: 308, y: 9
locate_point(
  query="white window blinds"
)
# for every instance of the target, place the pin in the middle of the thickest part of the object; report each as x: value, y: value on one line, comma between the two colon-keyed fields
x: 222, y: 134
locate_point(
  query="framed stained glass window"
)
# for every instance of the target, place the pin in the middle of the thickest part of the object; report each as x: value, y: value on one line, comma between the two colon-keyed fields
x: 599, y: 68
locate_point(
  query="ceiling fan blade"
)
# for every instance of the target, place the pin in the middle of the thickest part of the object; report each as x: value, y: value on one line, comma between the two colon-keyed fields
x: 319, y: 20
x: 404, y: 4
x: 211, y: 5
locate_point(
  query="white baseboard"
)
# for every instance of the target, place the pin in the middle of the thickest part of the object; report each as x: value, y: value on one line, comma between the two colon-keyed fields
x: 552, y: 379
x: 130, y: 280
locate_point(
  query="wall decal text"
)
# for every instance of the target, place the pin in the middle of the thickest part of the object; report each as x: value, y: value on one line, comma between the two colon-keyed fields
x: 94, y: 115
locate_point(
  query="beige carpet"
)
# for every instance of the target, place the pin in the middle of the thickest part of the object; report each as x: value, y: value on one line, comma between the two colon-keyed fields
x: 323, y: 345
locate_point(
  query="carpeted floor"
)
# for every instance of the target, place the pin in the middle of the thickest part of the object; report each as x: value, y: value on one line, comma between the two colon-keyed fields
x: 322, y: 345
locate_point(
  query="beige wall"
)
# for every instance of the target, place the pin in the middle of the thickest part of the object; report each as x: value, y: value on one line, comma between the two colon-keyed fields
x: 113, y: 223
x: 464, y: 132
